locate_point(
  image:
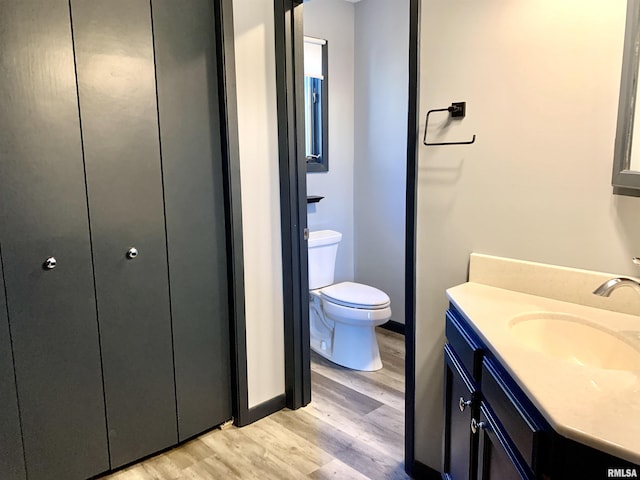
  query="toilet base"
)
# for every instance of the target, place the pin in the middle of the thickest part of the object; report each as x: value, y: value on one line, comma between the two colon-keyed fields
x: 354, y: 347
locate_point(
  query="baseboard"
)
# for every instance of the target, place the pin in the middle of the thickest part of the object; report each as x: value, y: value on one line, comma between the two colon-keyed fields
x: 264, y: 409
x: 421, y: 471
x: 396, y: 327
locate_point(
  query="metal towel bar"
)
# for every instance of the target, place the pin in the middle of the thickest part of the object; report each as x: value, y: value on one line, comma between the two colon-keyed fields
x: 457, y: 110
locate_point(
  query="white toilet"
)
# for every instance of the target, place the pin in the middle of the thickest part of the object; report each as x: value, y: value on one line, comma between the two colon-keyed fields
x: 342, y: 316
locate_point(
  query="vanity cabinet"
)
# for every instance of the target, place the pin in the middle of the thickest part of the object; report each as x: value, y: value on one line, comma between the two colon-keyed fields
x: 463, y: 358
x: 460, y: 408
x: 494, y: 455
x: 499, y: 434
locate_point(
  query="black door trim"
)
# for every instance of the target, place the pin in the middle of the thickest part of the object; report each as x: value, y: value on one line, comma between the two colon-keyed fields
x: 413, y: 124
x: 233, y: 207
x: 293, y: 199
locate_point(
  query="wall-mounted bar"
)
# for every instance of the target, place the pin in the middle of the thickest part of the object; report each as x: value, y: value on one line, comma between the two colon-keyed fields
x: 457, y: 110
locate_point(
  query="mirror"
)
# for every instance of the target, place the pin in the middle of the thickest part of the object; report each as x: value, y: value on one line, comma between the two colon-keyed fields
x: 316, y: 87
x: 626, y: 164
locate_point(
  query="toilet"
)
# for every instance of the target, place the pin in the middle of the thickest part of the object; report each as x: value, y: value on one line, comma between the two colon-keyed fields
x: 342, y: 316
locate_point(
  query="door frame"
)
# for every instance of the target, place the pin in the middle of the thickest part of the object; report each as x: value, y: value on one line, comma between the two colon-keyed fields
x: 289, y: 68
x: 223, y: 23
x: 293, y: 199
x: 412, y: 467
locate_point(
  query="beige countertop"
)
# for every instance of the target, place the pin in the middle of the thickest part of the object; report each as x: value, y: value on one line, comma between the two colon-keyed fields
x: 597, y: 407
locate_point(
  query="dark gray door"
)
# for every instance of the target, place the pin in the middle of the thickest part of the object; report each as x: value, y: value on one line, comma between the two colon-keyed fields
x: 192, y: 165
x: 11, y: 454
x: 116, y: 80
x: 43, y: 213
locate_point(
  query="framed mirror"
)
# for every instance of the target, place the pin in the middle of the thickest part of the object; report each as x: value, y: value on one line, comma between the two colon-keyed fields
x: 626, y: 164
x: 316, y: 112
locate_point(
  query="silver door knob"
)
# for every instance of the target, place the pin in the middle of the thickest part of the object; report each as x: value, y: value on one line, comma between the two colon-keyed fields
x: 475, y: 425
x: 462, y: 404
x: 132, y: 253
x: 49, y: 263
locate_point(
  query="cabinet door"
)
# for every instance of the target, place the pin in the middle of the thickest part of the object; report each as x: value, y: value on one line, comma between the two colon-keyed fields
x: 497, y: 459
x: 460, y: 446
x: 11, y: 454
x: 116, y: 80
x: 43, y: 213
x: 188, y: 106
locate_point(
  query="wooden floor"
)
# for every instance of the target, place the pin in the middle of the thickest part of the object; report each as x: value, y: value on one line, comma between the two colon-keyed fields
x: 352, y: 429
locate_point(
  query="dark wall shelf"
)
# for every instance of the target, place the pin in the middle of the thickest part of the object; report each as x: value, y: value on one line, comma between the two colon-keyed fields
x: 314, y: 198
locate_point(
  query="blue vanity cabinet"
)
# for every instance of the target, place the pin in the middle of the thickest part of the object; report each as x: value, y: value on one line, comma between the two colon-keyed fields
x: 489, y: 431
x: 512, y: 435
x: 500, y: 434
x: 495, y: 456
x: 463, y: 360
x: 461, y: 404
x: 525, y: 432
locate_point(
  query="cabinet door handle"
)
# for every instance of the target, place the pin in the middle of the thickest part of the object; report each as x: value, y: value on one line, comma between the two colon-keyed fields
x: 132, y: 253
x: 462, y: 404
x: 475, y: 425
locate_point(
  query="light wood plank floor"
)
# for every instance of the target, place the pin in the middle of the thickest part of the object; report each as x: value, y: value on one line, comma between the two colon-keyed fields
x: 352, y: 429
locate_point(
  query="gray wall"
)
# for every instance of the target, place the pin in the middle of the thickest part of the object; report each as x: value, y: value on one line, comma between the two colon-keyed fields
x: 541, y: 79
x: 333, y: 20
x: 381, y: 96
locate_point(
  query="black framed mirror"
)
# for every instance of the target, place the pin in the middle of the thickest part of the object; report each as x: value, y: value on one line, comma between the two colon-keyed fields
x: 316, y: 111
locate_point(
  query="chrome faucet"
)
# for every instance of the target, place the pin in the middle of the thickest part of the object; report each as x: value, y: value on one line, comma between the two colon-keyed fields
x: 609, y: 286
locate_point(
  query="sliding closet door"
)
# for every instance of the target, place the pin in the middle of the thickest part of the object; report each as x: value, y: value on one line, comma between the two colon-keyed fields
x: 114, y: 54
x: 192, y: 166
x: 11, y: 454
x: 43, y: 214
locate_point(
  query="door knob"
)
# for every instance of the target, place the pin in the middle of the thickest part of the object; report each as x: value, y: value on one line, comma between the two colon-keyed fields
x: 49, y: 263
x: 462, y: 404
x: 475, y: 425
x: 132, y: 253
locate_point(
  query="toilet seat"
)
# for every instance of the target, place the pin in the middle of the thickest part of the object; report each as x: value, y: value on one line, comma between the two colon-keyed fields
x: 342, y: 320
x: 355, y: 295
x: 362, y: 317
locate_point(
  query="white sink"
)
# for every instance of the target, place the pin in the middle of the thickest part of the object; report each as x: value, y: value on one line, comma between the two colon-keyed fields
x: 576, y: 340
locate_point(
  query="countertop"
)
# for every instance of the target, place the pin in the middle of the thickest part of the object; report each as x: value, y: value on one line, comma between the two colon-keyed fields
x: 599, y: 408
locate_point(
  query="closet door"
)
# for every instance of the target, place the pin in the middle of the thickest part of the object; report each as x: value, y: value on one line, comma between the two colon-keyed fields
x: 192, y: 166
x: 114, y: 54
x: 43, y: 213
x: 11, y: 454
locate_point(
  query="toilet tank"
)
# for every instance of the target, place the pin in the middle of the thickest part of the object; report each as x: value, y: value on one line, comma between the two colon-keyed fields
x: 323, y: 247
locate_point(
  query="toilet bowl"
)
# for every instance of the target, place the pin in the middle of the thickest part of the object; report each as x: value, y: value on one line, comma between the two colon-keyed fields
x: 342, y: 316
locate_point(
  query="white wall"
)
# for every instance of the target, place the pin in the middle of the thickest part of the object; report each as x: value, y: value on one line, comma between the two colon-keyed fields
x: 381, y: 99
x: 258, y: 135
x: 333, y: 20
x: 541, y: 79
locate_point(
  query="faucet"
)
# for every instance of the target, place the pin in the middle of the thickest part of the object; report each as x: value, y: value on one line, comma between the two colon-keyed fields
x: 609, y: 286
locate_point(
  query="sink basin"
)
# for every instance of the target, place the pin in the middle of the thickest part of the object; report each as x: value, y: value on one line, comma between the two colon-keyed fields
x: 576, y: 340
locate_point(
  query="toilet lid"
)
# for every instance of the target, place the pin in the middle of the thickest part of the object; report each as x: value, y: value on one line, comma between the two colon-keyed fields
x: 356, y: 295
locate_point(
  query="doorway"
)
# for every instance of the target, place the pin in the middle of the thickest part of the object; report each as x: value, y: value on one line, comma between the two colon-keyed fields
x: 289, y: 45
